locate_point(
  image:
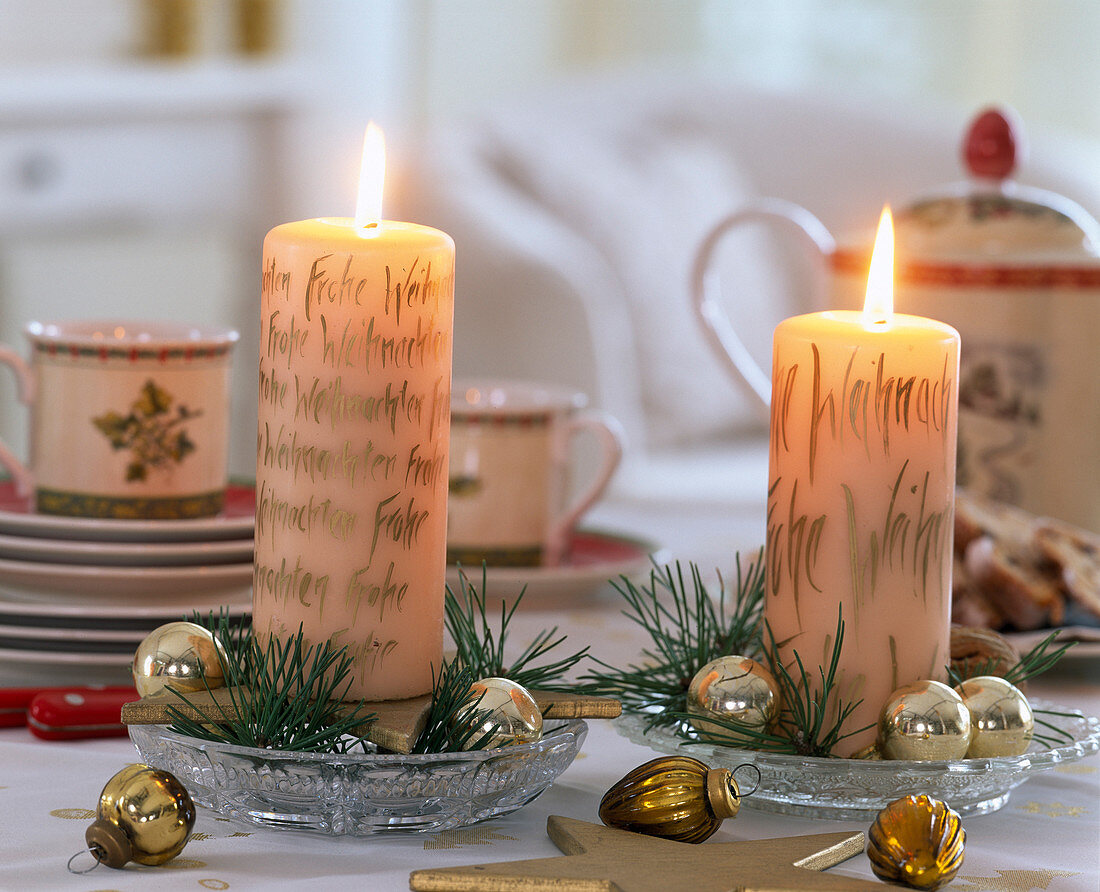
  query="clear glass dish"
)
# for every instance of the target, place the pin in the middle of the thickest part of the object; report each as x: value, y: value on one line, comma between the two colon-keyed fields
x: 362, y: 793
x: 851, y: 789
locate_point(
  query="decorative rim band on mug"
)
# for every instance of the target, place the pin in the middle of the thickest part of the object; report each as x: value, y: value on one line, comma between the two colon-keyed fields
x: 129, y: 418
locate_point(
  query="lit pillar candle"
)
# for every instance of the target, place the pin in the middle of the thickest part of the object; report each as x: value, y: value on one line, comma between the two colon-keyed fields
x: 354, y: 418
x: 861, y: 493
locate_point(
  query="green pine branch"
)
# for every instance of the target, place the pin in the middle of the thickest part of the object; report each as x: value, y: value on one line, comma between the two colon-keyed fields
x: 480, y: 647
x: 284, y: 695
x: 455, y: 720
x: 687, y: 628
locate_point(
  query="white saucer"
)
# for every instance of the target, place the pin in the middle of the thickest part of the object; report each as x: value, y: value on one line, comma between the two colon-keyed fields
x: 125, y: 554
x: 236, y: 522
x: 120, y: 614
x: 65, y: 658
x: 596, y: 557
x: 36, y: 634
x: 84, y: 646
x: 163, y: 586
x: 1086, y: 640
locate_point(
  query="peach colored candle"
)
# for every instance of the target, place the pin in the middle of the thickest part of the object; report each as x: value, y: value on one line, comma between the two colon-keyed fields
x: 861, y: 494
x: 351, y: 471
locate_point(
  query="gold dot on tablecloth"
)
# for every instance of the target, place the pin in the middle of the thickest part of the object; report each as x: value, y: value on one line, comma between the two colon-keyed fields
x: 181, y: 864
x: 473, y: 836
x: 1012, y: 881
x: 74, y: 814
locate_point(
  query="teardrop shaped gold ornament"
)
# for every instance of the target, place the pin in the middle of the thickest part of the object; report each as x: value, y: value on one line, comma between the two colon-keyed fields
x: 917, y: 841
x: 674, y: 797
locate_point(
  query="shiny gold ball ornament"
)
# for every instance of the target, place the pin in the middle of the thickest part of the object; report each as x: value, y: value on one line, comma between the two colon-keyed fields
x: 183, y: 655
x: 1001, y: 723
x: 506, y: 711
x: 674, y: 797
x: 917, y: 841
x: 144, y: 815
x: 736, y: 689
x: 924, y: 721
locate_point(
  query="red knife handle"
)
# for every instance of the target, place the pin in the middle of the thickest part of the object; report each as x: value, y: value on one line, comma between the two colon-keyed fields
x: 78, y: 713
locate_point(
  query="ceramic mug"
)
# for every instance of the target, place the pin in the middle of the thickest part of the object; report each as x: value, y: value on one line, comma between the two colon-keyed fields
x: 129, y: 419
x: 511, y: 444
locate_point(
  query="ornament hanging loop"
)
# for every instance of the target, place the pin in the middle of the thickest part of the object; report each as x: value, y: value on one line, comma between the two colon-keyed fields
x: 88, y: 851
x: 759, y: 777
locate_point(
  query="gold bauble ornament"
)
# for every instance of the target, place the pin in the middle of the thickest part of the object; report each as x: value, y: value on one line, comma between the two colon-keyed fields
x: 509, y: 708
x: 737, y: 689
x: 917, y: 841
x: 183, y: 655
x: 674, y: 797
x: 1001, y: 723
x: 924, y: 721
x: 144, y: 815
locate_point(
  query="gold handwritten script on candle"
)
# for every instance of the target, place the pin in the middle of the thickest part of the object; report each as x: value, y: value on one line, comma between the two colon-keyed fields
x: 351, y: 452
x: 860, y: 496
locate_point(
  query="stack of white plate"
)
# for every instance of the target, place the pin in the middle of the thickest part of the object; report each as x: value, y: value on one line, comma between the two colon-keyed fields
x: 80, y: 591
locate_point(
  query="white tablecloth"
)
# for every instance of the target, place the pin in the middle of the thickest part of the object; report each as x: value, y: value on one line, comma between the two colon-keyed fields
x: 1046, y: 837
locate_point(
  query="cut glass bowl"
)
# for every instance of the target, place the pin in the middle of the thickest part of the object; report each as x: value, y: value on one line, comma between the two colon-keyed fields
x: 852, y: 789
x: 359, y: 794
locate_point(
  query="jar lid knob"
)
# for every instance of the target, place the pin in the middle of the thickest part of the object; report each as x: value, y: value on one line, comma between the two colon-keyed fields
x: 993, y: 145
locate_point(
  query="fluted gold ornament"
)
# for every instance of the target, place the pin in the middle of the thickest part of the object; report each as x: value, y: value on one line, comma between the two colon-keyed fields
x: 737, y: 689
x: 674, y: 797
x: 924, y: 721
x: 183, y: 655
x: 144, y: 815
x: 1001, y: 723
x: 917, y: 841
x: 508, y: 706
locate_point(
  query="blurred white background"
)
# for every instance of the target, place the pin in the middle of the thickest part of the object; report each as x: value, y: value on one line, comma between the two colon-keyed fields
x: 139, y: 182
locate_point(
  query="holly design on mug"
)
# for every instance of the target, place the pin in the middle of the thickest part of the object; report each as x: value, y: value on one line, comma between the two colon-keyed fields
x: 152, y: 431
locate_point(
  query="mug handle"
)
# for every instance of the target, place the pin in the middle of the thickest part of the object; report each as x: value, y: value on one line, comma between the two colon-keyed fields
x: 20, y: 473
x: 706, y: 287
x: 609, y: 435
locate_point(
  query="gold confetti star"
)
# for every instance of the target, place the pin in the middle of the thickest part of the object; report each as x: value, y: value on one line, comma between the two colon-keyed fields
x: 474, y: 836
x: 1076, y: 769
x: 1053, y: 809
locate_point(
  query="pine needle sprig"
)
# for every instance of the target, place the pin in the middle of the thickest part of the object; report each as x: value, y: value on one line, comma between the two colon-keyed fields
x: 454, y: 719
x: 283, y: 695
x: 1049, y: 734
x: 234, y: 635
x: 1035, y: 662
x: 686, y: 630
x: 807, y: 707
x: 803, y: 727
x: 480, y: 648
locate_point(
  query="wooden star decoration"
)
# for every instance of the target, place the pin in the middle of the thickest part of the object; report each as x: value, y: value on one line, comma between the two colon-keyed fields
x: 603, y: 859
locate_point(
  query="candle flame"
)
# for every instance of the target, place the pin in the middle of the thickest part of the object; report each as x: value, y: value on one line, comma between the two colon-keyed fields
x: 368, y: 209
x: 878, y: 306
